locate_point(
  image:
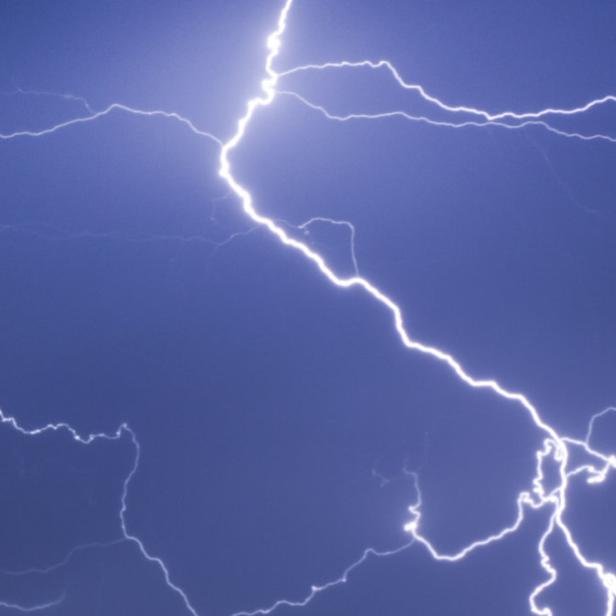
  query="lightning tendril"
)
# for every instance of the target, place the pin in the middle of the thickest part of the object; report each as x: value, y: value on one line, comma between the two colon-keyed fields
x: 556, y: 447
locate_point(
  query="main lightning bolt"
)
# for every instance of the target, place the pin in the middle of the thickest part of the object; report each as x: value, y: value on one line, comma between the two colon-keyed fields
x: 556, y: 447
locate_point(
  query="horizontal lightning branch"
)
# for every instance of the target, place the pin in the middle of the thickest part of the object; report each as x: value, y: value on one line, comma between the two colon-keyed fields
x: 421, y: 119
x: 29, y: 609
x: 52, y: 233
x: 61, y: 563
x: 490, y: 117
x: 170, y: 115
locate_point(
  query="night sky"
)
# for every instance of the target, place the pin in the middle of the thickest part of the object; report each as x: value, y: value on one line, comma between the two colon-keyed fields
x: 282, y: 426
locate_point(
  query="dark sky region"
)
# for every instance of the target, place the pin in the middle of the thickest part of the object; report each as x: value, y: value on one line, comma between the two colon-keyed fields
x: 280, y: 419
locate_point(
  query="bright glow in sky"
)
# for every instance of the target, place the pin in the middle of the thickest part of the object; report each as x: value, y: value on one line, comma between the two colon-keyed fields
x: 372, y: 374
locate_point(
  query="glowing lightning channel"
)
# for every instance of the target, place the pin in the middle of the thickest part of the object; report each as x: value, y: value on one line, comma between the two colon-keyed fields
x: 593, y: 419
x: 305, y: 226
x: 555, y: 445
x: 127, y: 536
x: 171, y: 115
x: 490, y: 117
x: 317, y: 590
x: 61, y: 563
x: 555, y: 448
x: 422, y: 119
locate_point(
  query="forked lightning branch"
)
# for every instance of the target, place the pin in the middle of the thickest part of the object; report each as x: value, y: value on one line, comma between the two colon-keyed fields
x: 575, y: 457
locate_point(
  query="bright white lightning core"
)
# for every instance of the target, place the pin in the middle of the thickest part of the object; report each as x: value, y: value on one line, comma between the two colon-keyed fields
x: 556, y: 448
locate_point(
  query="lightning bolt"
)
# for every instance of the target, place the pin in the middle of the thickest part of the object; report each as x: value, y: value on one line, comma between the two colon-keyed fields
x: 170, y: 115
x: 123, y: 431
x: 317, y: 590
x: 556, y: 448
x: 422, y: 119
x: 28, y: 609
x: 350, y: 227
x: 554, y: 444
x: 486, y: 115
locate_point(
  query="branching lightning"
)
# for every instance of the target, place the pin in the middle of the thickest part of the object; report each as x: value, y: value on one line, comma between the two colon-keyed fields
x: 486, y: 115
x: 305, y: 226
x: 317, y: 590
x: 171, y: 115
x: 556, y: 447
x: 122, y: 432
x: 422, y: 119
